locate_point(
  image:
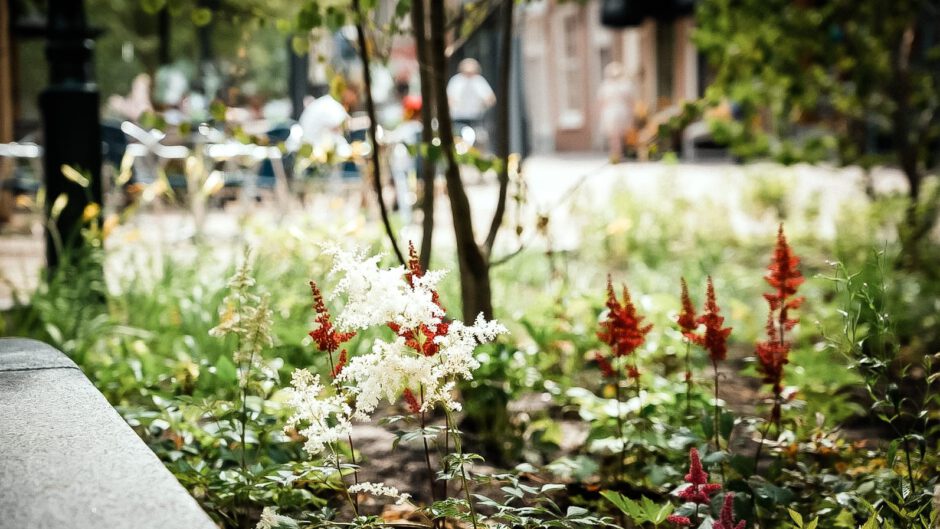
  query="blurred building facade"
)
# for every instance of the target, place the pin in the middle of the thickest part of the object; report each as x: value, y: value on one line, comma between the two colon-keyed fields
x: 564, y: 51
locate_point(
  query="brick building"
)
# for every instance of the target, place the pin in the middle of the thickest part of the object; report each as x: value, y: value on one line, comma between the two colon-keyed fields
x: 564, y: 51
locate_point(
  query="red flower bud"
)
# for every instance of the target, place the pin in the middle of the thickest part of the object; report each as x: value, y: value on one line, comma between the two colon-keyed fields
x: 326, y: 337
x: 411, y: 401
x: 715, y: 338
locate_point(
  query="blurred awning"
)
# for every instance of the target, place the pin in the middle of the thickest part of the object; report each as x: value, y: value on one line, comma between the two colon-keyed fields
x: 632, y: 13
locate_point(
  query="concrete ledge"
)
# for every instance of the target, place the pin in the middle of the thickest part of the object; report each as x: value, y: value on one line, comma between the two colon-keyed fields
x: 68, y: 460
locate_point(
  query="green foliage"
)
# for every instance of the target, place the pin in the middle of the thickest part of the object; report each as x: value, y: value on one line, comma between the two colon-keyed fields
x: 823, y: 80
x: 641, y: 512
x: 144, y: 341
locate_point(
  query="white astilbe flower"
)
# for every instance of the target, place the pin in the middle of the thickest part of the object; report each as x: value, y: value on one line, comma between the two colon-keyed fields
x: 457, y: 346
x: 323, y: 420
x: 380, y: 489
x: 392, y: 367
x: 377, y: 296
x: 384, y: 373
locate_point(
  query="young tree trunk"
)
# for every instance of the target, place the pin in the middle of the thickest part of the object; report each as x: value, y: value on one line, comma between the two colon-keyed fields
x: 428, y: 166
x: 915, y: 228
x: 474, y: 268
x: 373, y: 127
x: 502, y: 121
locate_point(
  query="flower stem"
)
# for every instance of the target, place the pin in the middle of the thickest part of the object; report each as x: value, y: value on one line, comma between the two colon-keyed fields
x: 688, y: 377
x: 760, y: 445
x: 721, y: 466
x: 717, y: 408
x: 636, y: 380
x: 463, y: 472
x: 339, y: 470
x: 623, y: 441
x: 907, y: 450
x: 427, y: 456
x: 352, y: 456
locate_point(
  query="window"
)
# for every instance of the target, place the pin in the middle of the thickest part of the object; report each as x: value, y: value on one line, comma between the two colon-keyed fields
x: 572, y: 74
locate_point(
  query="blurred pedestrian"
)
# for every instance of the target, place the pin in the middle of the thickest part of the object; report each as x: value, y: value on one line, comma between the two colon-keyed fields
x: 615, y: 107
x: 137, y: 101
x: 469, y: 95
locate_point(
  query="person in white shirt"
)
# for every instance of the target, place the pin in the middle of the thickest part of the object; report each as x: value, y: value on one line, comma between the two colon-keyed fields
x: 615, y: 108
x: 468, y: 93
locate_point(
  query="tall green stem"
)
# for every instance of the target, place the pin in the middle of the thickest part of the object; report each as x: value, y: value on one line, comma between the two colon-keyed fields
x: 688, y: 377
x: 427, y: 456
x: 353, y: 502
x: 463, y: 472
x: 623, y: 440
x: 717, y: 408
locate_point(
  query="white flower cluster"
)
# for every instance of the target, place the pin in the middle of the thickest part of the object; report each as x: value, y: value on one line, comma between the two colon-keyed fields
x: 380, y: 489
x: 374, y: 297
x: 392, y: 367
x: 323, y: 419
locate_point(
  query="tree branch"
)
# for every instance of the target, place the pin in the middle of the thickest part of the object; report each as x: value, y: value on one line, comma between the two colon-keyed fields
x: 474, y: 271
x: 373, y: 125
x: 502, y: 121
x: 428, y: 169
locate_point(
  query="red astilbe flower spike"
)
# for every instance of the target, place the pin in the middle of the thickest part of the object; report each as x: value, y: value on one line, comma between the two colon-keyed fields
x: 726, y: 516
x: 681, y: 521
x: 686, y: 319
x: 421, y: 339
x: 411, y: 401
x: 700, y: 490
x: 606, y: 369
x: 327, y: 338
x: 715, y: 338
x: 773, y: 353
x: 340, y: 364
x: 622, y: 330
x: 688, y: 324
x: 784, y: 276
x: 415, y: 271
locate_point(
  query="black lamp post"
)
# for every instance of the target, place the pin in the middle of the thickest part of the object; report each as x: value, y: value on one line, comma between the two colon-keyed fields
x: 71, y: 125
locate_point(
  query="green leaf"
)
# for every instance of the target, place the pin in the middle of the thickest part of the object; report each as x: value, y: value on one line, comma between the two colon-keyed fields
x: 74, y: 175
x: 726, y: 424
x: 797, y: 517
x: 201, y: 16
x: 872, y: 522
x: 402, y: 8
x: 300, y: 44
x: 708, y: 425
x: 575, y: 511
x: 225, y: 369
x: 812, y: 525
x: 743, y: 465
x: 217, y: 110
x: 434, y: 152
x: 152, y: 6
x: 664, y: 511
x: 770, y: 494
x: 626, y: 505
